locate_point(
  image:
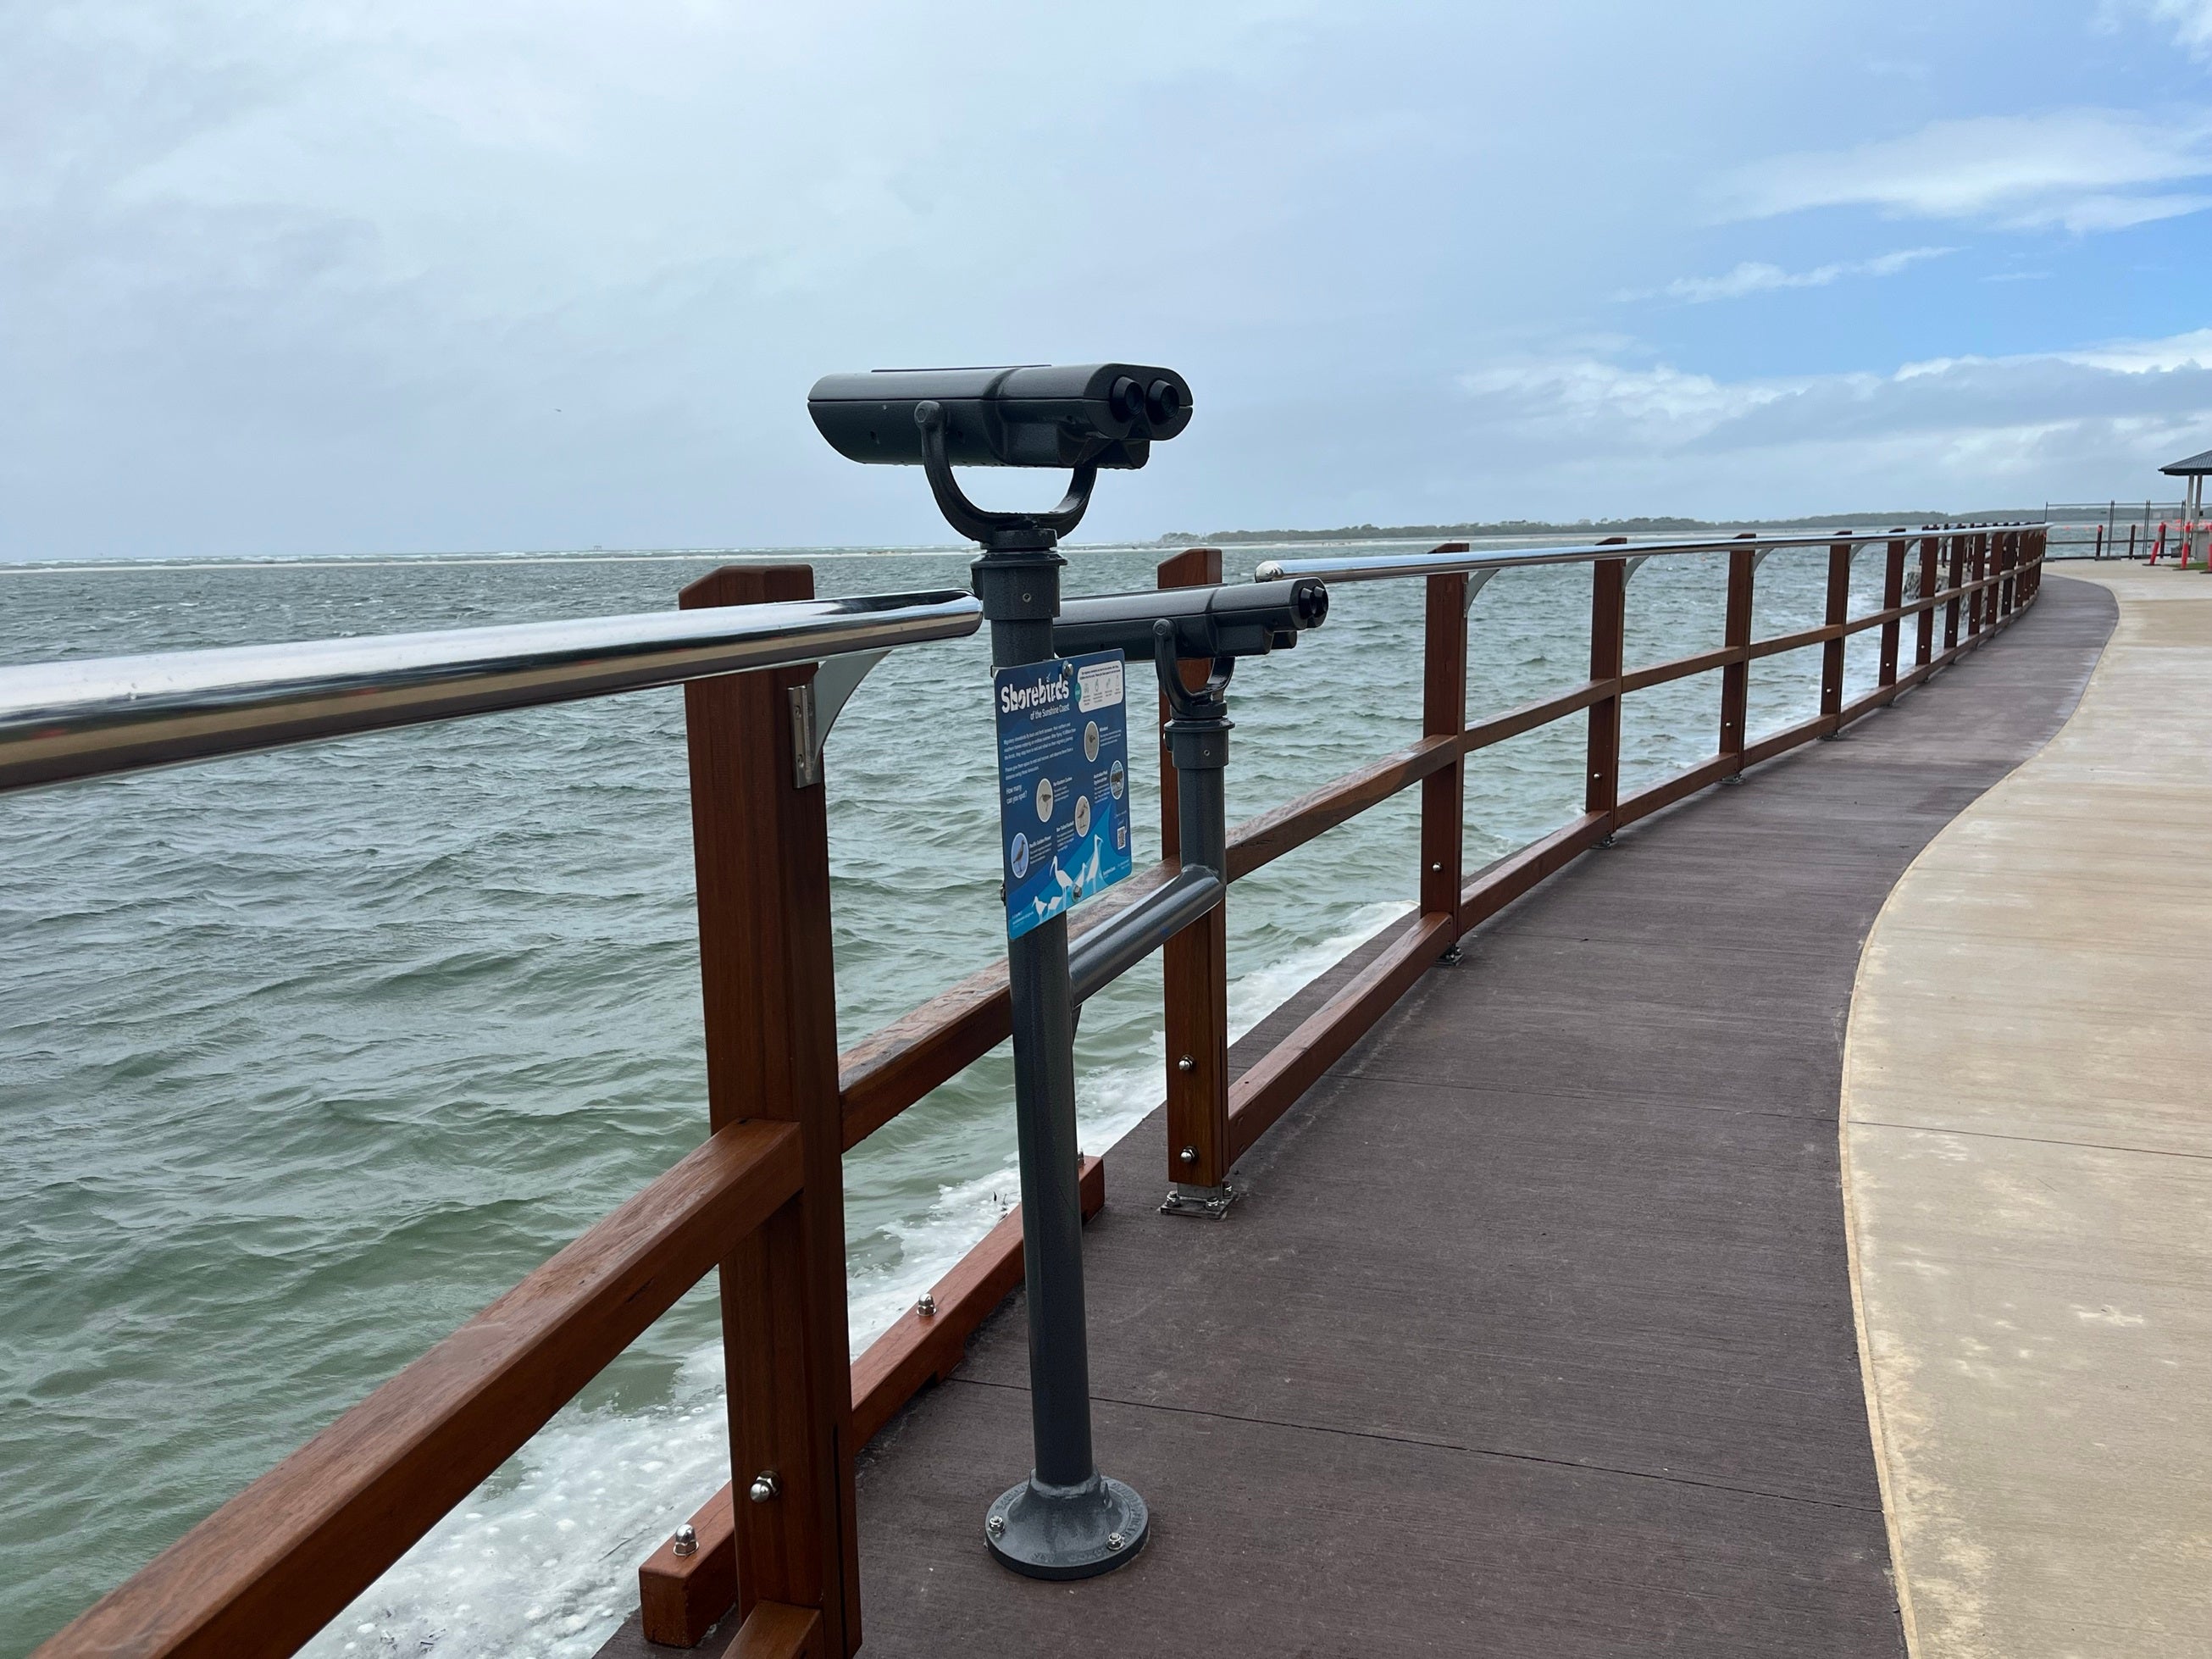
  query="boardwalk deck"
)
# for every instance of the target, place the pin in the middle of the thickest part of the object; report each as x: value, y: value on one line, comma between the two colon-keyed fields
x: 1533, y: 1334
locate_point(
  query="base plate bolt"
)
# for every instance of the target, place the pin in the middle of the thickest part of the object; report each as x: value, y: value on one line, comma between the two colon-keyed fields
x: 1113, y: 1540
x: 764, y: 1487
x: 997, y: 1526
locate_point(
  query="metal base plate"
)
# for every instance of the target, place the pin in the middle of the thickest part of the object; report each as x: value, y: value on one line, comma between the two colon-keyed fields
x: 1209, y: 1203
x: 1066, y: 1532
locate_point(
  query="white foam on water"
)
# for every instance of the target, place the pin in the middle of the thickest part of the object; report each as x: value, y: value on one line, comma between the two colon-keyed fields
x: 1115, y: 1101
x: 1260, y: 993
x: 541, y: 1563
x: 929, y: 1246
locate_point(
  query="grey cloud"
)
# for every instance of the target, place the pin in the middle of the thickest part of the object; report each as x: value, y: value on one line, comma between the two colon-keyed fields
x: 317, y: 277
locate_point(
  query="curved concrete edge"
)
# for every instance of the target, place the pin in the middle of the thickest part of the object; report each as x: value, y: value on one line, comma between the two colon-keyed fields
x: 2026, y: 1162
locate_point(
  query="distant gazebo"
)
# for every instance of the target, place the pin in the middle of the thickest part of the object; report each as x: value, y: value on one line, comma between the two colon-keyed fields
x: 2194, y: 469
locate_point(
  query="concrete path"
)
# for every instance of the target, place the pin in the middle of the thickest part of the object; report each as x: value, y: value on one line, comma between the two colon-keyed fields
x: 2028, y: 1149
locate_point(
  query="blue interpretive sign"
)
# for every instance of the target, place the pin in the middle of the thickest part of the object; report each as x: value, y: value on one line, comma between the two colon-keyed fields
x: 1063, y: 782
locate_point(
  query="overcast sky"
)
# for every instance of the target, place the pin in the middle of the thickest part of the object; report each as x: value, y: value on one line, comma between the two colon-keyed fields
x: 300, y: 277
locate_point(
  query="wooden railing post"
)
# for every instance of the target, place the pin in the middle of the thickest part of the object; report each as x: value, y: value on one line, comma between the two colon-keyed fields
x: 1608, y: 638
x: 1978, y: 553
x: 1838, y: 611
x: 1892, y: 595
x: 1735, y: 635
x: 761, y: 844
x: 1444, y: 714
x: 1195, y: 964
x: 1931, y: 577
x: 1951, y: 606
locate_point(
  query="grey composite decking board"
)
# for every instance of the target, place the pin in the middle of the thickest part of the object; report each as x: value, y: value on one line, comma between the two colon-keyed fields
x: 1534, y: 1333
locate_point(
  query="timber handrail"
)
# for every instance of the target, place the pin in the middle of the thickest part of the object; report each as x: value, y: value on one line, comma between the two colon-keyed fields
x: 763, y: 1198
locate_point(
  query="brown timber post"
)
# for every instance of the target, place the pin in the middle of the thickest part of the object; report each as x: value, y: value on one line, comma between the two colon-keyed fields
x: 1444, y: 715
x: 1958, y: 562
x: 762, y: 848
x: 1608, y: 631
x: 1195, y: 964
x: 1735, y: 635
x: 1973, y: 601
x: 1930, y: 578
x: 1832, y: 654
x: 1892, y: 595
x: 1978, y: 561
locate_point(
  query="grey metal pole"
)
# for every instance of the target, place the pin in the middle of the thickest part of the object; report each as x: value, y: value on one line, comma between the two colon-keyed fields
x: 1066, y: 1520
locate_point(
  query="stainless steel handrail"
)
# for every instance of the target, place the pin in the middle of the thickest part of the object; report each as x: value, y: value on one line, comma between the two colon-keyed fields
x: 87, y: 717
x: 1108, y: 952
x: 1386, y: 566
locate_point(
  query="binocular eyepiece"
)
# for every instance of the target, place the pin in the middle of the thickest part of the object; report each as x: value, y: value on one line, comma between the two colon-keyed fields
x: 1105, y: 415
x: 1249, y: 620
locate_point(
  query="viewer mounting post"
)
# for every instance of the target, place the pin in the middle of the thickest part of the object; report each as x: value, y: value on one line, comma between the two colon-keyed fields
x: 1067, y: 1520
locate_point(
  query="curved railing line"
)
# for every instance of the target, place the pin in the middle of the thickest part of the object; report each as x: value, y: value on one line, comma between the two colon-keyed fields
x: 88, y: 717
x: 1458, y: 556
x: 285, y: 1556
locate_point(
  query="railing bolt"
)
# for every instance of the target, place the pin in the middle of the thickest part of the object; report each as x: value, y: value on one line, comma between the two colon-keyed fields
x: 1186, y: 1064
x: 687, y: 1539
x: 1187, y: 1155
x: 925, y: 1306
x: 764, y: 1488
x: 1450, y: 955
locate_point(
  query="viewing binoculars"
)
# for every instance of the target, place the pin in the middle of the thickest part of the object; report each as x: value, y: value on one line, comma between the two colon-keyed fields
x: 1089, y: 415
x: 1249, y: 620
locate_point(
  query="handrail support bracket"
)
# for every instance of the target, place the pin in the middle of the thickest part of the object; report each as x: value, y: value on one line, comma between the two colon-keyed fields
x: 815, y: 706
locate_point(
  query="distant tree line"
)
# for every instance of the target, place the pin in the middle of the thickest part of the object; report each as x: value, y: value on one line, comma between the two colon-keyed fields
x: 1591, y: 528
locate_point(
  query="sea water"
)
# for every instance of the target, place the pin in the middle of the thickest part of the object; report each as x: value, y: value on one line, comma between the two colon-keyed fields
x: 307, y: 1056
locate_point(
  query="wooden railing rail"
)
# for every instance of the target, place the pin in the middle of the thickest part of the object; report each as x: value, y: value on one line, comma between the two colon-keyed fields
x: 762, y: 1200
x: 275, y: 1563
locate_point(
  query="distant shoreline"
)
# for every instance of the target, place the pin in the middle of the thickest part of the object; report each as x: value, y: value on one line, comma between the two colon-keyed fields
x: 1645, y: 527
